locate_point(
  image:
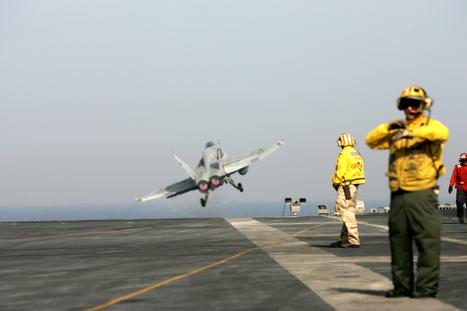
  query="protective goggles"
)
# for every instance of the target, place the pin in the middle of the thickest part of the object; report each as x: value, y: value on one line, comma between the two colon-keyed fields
x: 404, y: 103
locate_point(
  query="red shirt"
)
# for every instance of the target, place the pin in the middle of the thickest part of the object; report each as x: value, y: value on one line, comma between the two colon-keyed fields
x: 459, y: 177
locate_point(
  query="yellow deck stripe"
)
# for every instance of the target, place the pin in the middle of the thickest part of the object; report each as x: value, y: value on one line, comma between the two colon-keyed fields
x: 195, y: 271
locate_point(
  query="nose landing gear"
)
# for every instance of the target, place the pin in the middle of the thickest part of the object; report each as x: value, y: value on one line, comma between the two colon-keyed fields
x: 205, y: 200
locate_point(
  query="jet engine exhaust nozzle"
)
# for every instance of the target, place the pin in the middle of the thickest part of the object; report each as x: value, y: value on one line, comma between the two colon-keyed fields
x: 215, y: 182
x: 203, y: 186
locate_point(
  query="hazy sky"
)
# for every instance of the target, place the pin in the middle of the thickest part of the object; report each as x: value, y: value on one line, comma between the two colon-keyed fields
x: 97, y: 96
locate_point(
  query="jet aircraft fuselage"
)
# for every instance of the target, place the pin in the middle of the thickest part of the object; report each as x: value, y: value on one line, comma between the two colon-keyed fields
x: 214, y: 169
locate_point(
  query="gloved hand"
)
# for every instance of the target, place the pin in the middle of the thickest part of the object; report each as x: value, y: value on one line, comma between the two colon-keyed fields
x: 400, y: 134
x: 396, y: 124
x: 450, y: 189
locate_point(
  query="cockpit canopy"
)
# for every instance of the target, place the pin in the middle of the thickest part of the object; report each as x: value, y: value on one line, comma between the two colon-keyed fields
x: 210, y: 144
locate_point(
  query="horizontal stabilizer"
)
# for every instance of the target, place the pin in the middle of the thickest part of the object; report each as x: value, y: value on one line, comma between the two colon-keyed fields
x: 153, y: 196
x: 175, y: 189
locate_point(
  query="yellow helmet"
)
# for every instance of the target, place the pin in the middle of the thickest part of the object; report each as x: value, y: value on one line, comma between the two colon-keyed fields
x: 417, y: 93
x: 345, y: 139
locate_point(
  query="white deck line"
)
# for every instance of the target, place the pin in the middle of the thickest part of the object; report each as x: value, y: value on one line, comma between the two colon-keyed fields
x: 342, y: 284
x: 386, y: 228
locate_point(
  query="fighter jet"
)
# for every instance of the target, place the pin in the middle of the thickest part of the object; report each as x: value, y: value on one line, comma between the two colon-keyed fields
x: 214, y: 169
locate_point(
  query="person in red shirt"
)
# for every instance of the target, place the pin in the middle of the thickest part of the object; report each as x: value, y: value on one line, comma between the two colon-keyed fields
x: 459, y: 180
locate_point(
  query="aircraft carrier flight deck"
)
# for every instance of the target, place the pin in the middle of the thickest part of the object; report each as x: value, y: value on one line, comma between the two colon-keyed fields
x: 279, y: 263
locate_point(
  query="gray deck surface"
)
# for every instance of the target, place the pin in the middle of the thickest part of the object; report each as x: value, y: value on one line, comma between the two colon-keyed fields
x: 187, y: 264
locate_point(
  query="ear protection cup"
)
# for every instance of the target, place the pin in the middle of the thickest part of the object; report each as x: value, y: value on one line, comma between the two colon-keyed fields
x: 428, y: 103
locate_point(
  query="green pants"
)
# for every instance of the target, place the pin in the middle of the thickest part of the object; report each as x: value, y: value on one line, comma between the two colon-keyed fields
x: 414, y: 216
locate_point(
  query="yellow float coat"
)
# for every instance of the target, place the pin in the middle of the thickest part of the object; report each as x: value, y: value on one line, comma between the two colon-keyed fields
x: 349, y: 168
x: 416, y: 161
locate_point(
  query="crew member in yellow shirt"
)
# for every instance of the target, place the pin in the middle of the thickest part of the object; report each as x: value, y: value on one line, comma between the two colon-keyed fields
x: 415, y: 162
x: 348, y: 176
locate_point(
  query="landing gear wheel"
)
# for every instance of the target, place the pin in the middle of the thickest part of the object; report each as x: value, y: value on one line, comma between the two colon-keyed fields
x: 203, y: 202
x: 240, y: 187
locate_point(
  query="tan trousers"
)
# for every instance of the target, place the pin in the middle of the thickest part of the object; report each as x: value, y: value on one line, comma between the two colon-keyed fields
x: 349, y: 232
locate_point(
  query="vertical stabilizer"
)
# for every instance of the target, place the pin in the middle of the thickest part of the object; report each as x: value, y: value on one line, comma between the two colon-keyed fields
x: 187, y: 168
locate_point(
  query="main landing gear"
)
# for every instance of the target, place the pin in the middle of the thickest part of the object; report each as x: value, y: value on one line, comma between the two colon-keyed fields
x: 238, y: 186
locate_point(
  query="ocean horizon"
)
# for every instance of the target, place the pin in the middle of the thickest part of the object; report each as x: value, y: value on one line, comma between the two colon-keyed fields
x: 161, y: 210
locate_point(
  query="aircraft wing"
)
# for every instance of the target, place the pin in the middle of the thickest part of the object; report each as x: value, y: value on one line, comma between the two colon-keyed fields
x: 235, y: 164
x: 170, y: 191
